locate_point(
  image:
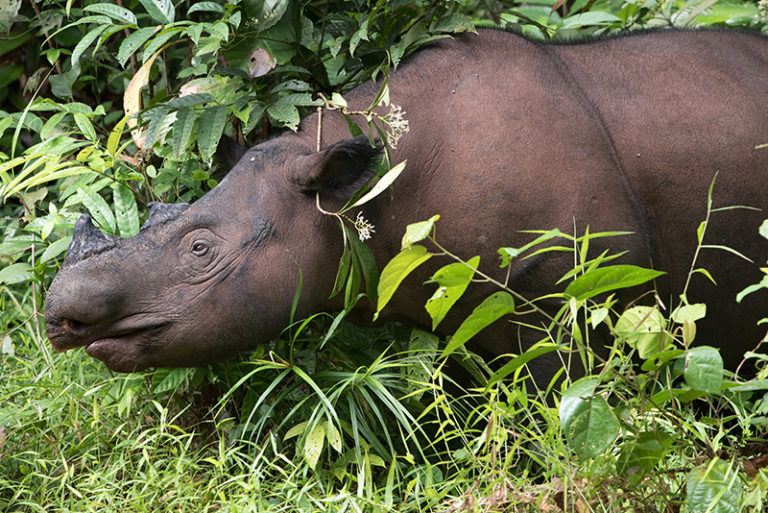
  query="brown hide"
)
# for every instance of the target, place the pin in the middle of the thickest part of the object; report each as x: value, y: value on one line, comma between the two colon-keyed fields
x: 505, y: 135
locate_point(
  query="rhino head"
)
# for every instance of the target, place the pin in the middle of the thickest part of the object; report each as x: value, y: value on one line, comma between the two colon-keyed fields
x: 202, y: 282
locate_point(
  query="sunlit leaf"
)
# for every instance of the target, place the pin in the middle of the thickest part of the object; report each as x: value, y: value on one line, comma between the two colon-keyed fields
x: 493, y: 308
x: 395, y: 272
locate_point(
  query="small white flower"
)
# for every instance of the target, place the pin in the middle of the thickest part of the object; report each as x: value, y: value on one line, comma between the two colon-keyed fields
x: 398, y: 125
x: 363, y: 227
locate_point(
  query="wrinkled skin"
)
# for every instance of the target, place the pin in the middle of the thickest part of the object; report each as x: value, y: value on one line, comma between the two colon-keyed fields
x: 506, y: 135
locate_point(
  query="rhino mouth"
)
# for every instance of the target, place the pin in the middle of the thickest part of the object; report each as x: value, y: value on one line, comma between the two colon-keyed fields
x: 69, y: 334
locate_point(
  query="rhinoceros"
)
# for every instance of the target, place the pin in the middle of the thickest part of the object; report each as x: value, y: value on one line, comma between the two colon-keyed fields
x: 505, y: 134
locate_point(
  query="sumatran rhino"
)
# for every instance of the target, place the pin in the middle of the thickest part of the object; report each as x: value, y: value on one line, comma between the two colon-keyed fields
x: 506, y: 134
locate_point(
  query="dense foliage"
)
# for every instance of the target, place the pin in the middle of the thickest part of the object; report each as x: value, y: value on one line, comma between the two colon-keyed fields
x: 105, y: 107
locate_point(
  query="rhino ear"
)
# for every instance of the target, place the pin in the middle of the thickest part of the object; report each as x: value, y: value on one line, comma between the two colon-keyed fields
x: 339, y: 170
x: 229, y: 152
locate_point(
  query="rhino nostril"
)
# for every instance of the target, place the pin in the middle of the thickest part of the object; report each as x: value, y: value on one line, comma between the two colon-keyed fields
x: 74, y: 325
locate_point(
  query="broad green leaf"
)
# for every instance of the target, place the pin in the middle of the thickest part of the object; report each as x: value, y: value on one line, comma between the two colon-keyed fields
x: 295, y: 430
x: 714, y: 488
x: 763, y: 284
x: 417, y: 232
x: 52, y: 125
x: 587, y: 420
x: 580, y: 391
x: 489, y: 311
x: 115, y: 136
x: 266, y: 13
x: 704, y: 369
x: 55, y: 249
x: 161, y: 39
x: 644, y: 450
x: 313, y: 445
x: 182, y: 130
x: 84, y: 43
x: 157, y: 120
x: 395, y: 272
x: 132, y: 43
x: 606, y: 279
x: 452, y: 280
x: 333, y: 436
x: 167, y: 379
x: 285, y: 113
x: 98, y: 208
x: 160, y: 10
x: 643, y: 328
x: 190, y: 100
x: 16, y: 273
x: 206, y: 7
x: 113, y: 11
x: 126, y: 211
x: 210, y: 129
x: 589, y: 18
x: 384, y: 182
x: 85, y: 126
x: 763, y: 230
x: 692, y: 313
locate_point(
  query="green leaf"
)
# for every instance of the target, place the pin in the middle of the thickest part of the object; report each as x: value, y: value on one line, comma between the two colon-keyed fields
x: 126, y: 211
x: 313, y: 445
x: 206, y: 7
x: 85, y: 126
x: 190, y: 100
x: 689, y: 313
x: 588, y: 421
x: 384, y: 182
x: 763, y: 230
x: 365, y: 262
x: 161, y: 10
x: 266, y: 13
x: 84, y: 43
x: 210, y: 129
x: 395, y: 272
x: 714, y: 488
x: 182, y: 130
x: 285, y: 113
x: 55, y: 249
x: 98, y: 209
x: 417, y: 232
x: 132, y: 43
x: 643, y: 329
x: 167, y: 379
x: 16, y: 273
x: 507, y: 254
x: 644, y: 450
x: 113, y: 11
x: 494, y: 307
x: 606, y: 279
x: 452, y: 280
x: 703, y: 369
x: 589, y: 18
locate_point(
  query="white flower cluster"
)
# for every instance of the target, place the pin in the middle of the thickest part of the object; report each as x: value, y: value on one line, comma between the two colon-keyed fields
x: 398, y: 125
x: 364, y: 228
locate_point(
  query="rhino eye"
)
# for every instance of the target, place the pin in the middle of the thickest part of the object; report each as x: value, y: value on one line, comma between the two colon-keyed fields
x: 199, y: 248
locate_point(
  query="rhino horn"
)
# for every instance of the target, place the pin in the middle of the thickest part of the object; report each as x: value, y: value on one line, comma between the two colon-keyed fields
x: 163, y: 212
x: 87, y: 240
